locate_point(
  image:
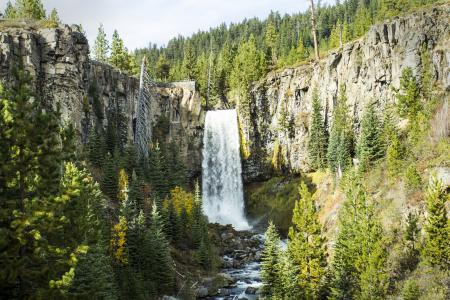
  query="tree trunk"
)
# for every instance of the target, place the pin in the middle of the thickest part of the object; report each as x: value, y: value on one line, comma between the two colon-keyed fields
x: 314, y: 30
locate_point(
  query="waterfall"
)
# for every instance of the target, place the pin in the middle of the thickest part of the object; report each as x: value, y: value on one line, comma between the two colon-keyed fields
x: 223, y: 196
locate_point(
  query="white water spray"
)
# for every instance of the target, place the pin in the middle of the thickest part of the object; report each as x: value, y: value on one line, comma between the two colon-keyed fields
x: 221, y: 168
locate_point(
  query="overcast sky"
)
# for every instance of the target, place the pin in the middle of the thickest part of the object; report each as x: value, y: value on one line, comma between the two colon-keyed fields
x: 142, y: 21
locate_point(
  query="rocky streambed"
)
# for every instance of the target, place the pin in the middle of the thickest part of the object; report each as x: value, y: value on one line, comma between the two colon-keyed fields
x: 240, y: 259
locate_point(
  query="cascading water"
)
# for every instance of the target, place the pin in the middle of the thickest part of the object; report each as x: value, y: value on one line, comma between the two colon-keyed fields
x: 223, y: 197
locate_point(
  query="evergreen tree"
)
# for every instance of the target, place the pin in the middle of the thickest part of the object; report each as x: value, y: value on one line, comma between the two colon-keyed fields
x: 317, y: 143
x: 119, y: 54
x: 289, y: 272
x: 363, y: 20
x: 370, y: 145
x: 101, y: 46
x: 29, y: 9
x: 94, y: 276
x: 391, y: 8
x: 95, y: 148
x: 157, y: 173
x: 249, y: 65
x: 158, y: 260
x: 162, y: 68
x: 270, y: 40
x: 189, y: 61
x: 358, y: 267
x: 340, y: 147
x: 409, y: 104
x: 394, y: 156
x: 10, y: 11
x: 109, y: 181
x: 436, y: 249
x: 307, y: 245
x: 52, y: 20
x: 411, y: 241
x: 270, y: 273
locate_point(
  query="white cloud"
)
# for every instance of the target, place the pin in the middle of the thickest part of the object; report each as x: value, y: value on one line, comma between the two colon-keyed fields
x: 157, y: 21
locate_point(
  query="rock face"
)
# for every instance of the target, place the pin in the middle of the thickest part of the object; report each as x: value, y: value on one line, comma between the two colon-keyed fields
x: 369, y: 68
x: 58, y: 60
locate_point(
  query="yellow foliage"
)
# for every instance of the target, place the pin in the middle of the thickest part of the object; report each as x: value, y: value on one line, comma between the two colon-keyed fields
x: 180, y: 199
x: 123, y: 186
x: 118, y: 241
x: 245, y: 150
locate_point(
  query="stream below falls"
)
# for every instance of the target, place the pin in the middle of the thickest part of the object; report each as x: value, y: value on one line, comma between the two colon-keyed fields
x: 243, y: 268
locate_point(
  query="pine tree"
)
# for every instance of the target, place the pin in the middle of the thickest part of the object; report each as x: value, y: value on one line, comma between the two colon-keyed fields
x: 53, y: 20
x: 317, y: 143
x: 101, y: 46
x: 394, y: 157
x: 409, y: 104
x: 363, y: 20
x: 370, y: 144
x: 162, y: 68
x: 158, y: 262
x: 340, y: 147
x: 391, y: 8
x: 109, y: 181
x: 270, y: 40
x: 307, y: 245
x: 358, y: 267
x: 31, y: 168
x: 119, y: 54
x: 30, y: 9
x: 436, y: 249
x: 95, y: 148
x: 10, y: 11
x: 189, y: 61
x: 94, y: 276
x: 157, y: 173
x: 270, y: 274
x: 411, y: 241
x: 249, y: 65
x: 289, y: 272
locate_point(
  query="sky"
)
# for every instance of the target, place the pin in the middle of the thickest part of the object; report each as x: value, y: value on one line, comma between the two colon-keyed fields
x: 140, y: 22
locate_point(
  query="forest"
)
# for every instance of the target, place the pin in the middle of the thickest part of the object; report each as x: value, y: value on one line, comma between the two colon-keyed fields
x: 96, y: 220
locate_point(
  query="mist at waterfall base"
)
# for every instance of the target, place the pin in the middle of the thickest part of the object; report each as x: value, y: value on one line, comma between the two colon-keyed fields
x: 222, y: 190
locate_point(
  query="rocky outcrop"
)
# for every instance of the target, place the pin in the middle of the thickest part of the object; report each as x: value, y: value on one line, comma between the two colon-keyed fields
x: 369, y: 68
x: 62, y: 72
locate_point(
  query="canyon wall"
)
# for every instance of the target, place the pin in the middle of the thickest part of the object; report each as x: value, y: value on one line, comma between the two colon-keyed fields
x: 62, y: 72
x: 369, y: 69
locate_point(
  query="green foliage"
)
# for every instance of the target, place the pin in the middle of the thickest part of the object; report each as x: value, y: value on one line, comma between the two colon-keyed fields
x: 409, y: 104
x: 25, y: 9
x: 370, y: 144
x: 394, y: 155
x: 189, y: 61
x: 391, y: 8
x: 363, y: 20
x: 317, y: 142
x: 109, y: 181
x: 307, y: 245
x: 157, y: 261
x: 412, y: 178
x: 359, y: 264
x: 49, y: 210
x: 119, y: 54
x: 157, y: 173
x: 340, y: 146
x: 249, y: 65
x: 411, y: 290
x: 162, y: 68
x: 436, y: 249
x: 52, y: 20
x: 101, y: 46
x: 270, y: 260
x: 94, y: 276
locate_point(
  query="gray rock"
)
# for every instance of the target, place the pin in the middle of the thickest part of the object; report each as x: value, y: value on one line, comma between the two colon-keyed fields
x: 202, y: 292
x: 251, y: 290
x: 443, y: 174
x: 370, y: 68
